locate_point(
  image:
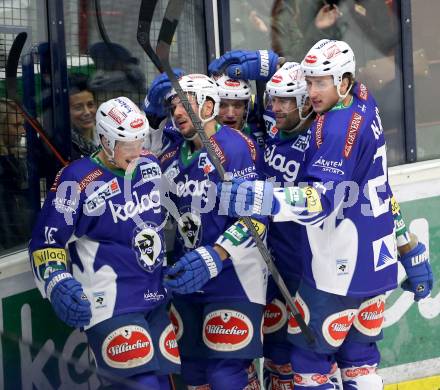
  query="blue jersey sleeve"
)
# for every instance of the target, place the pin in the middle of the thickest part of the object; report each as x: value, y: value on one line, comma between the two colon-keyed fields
x: 55, y: 226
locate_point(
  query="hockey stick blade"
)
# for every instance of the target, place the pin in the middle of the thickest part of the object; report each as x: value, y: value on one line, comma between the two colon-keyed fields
x: 146, y: 12
x: 12, y: 93
x: 166, y: 34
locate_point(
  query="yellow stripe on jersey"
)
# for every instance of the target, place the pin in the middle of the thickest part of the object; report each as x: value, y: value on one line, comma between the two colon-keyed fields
x: 46, y: 255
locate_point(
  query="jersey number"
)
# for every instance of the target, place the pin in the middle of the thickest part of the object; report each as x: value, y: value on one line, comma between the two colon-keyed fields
x: 377, y: 185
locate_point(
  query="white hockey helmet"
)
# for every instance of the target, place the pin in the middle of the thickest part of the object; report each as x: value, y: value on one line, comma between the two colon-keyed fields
x: 329, y: 57
x: 233, y: 89
x: 120, y: 119
x: 289, y: 81
x: 202, y: 87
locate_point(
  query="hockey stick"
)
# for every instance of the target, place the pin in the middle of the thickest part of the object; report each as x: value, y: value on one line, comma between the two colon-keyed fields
x: 167, y: 30
x: 11, y: 88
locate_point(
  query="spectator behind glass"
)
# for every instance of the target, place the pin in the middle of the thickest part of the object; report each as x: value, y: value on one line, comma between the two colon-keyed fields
x: 14, y: 206
x: 249, y: 26
x: 82, y: 108
x: 297, y: 24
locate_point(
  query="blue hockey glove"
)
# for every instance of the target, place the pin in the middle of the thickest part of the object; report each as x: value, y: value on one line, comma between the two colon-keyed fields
x: 193, y: 270
x: 243, y: 64
x: 418, y: 269
x: 68, y: 299
x: 253, y: 199
x: 154, y: 104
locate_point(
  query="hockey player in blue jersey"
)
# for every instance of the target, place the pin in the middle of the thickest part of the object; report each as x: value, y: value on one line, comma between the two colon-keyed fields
x: 219, y: 281
x: 350, y: 256
x: 97, y: 252
x: 287, y: 140
x: 237, y: 107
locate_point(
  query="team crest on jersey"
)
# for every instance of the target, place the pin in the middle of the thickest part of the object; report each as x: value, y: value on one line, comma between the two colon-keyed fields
x: 385, y: 252
x: 127, y: 347
x: 336, y: 326
x: 303, y: 309
x: 227, y: 330
x: 148, y: 247
x: 369, y: 319
x: 190, y: 226
x: 275, y: 316
x: 168, y: 345
x: 177, y: 322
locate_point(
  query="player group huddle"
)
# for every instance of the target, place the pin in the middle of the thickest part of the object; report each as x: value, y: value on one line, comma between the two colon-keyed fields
x: 313, y: 180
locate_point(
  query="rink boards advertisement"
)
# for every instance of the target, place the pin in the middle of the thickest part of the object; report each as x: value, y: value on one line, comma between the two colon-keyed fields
x: 40, y: 352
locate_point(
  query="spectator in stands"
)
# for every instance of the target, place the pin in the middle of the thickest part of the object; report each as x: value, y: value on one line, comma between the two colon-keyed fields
x: 82, y: 117
x: 14, y: 206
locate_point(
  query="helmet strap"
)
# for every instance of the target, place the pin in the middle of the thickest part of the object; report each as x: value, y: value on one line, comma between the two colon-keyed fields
x: 342, y: 97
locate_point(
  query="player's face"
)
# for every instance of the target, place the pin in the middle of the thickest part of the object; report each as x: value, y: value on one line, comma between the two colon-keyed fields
x: 322, y: 92
x: 126, y: 152
x: 232, y: 113
x: 285, y: 111
x: 181, y: 117
x: 82, y: 110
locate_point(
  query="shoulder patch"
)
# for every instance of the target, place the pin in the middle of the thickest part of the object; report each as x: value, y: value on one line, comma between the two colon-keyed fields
x: 56, y: 181
x: 92, y: 176
x: 218, y: 150
x: 168, y: 155
x: 249, y: 143
x: 352, y: 132
x: 318, y: 130
x: 363, y: 92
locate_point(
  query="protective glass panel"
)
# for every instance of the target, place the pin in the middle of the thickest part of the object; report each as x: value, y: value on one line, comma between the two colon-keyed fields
x: 291, y: 27
x: 426, y: 56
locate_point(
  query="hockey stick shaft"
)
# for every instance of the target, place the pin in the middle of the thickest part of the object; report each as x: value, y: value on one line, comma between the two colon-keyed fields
x: 11, y: 87
x: 166, y: 34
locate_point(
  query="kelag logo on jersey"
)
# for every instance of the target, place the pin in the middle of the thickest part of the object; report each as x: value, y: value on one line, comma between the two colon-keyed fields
x: 135, y: 207
x: 189, y: 226
x: 289, y: 168
x: 127, y: 347
x: 98, y: 198
x: 148, y: 247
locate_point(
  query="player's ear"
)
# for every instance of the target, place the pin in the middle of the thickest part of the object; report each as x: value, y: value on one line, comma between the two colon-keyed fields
x: 347, y: 81
x: 208, y: 108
